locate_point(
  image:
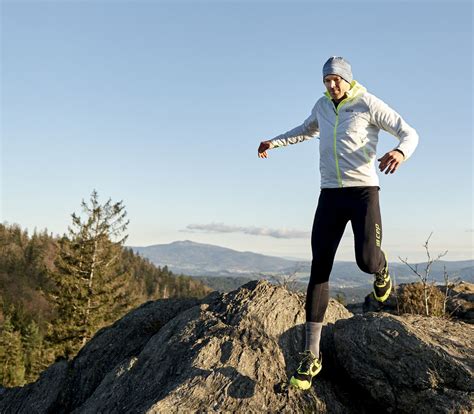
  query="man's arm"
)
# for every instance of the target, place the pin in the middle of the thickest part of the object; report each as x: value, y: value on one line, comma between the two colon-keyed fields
x: 307, y: 130
x: 389, y: 120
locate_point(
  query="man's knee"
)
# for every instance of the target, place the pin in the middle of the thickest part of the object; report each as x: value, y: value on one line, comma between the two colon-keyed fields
x: 320, y: 271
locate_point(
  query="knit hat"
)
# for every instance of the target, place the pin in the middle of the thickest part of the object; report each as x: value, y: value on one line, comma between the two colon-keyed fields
x: 336, y: 65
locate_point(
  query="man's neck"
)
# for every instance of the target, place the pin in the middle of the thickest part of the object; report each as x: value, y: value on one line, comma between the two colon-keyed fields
x: 338, y: 101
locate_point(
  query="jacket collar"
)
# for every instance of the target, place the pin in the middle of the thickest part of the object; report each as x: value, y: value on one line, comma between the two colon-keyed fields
x: 355, y: 91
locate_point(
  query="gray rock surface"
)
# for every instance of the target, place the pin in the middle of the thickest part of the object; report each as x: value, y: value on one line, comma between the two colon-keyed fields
x: 461, y: 302
x: 234, y: 352
x: 225, y: 355
x: 37, y: 397
x: 409, y: 364
x: 64, y: 385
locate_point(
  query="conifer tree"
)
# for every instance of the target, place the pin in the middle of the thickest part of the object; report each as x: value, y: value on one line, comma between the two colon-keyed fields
x: 33, y: 356
x: 89, y: 287
x: 12, y: 366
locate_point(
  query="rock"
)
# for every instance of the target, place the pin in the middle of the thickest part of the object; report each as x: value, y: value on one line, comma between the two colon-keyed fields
x: 372, y: 305
x: 460, y: 302
x: 235, y: 352
x: 229, y: 352
x: 37, y: 397
x: 408, y: 364
x: 67, y: 386
x: 227, y: 355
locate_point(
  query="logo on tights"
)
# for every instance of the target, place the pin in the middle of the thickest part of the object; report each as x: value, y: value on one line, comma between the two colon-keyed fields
x: 378, y: 235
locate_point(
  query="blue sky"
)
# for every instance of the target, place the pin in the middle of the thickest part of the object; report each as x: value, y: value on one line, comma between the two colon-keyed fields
x: 163, y: 105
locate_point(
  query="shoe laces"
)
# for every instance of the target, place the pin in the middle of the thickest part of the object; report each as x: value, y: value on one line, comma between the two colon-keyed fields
x: 307, y: 361
x: 381, y: 276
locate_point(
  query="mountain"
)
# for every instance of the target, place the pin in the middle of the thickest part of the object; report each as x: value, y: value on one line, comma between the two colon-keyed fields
x: 198, y: 259
x: 235, y: 352
x: 347, y: 274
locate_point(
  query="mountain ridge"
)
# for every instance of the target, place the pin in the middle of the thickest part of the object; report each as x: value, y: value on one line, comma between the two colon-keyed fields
x: 198, y: 259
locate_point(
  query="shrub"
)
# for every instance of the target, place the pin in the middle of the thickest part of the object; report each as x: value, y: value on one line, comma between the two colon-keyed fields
x: 411, y: 299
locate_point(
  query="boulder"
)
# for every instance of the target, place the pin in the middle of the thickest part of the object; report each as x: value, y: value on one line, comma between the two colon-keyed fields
x: 408, y: 364
x: 229, y: 354
x: 460, y: 302
x: 37, y: 397
x: 67, y: 385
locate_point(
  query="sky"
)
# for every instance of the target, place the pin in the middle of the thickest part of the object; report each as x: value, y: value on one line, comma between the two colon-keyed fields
x: 162, y: 105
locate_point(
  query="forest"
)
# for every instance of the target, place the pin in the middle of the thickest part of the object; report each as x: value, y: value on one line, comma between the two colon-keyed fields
x: 57, y: 291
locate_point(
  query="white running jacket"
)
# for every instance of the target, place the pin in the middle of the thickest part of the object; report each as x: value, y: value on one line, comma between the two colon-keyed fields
x: 348, y: 137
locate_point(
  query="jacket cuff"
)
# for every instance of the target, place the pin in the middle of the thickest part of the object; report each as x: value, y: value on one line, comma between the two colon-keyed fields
x: 400, y: 151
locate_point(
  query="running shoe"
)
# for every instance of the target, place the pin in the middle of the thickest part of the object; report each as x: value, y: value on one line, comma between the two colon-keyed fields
x: 308, y: 368
x: 382, y: 283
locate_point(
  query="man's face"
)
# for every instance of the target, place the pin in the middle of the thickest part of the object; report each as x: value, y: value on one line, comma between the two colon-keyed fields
x: 336, y: 86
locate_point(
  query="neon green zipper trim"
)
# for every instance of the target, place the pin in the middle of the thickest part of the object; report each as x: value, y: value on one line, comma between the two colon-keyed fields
x: 339, y: 179
x: 338, y: 171
x: 356, y: 88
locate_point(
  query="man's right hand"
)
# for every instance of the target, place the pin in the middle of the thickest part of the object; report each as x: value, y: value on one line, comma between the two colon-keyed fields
x: 262, y: 149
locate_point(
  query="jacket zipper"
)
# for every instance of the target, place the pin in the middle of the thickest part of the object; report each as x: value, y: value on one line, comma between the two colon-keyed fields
x: 338, y: 171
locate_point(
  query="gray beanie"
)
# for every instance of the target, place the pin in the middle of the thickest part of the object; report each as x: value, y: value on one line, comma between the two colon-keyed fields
x: 338, y: 66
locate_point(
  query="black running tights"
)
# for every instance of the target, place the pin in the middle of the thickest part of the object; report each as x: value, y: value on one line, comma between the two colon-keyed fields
x: 337, y: 206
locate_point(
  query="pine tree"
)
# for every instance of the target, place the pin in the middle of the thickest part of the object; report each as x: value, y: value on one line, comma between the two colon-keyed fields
x: 12, y: 365
x: 89, y: 285
x: 33, y: 356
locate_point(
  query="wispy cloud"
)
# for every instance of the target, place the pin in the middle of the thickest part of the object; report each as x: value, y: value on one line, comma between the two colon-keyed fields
x: 254, y: 231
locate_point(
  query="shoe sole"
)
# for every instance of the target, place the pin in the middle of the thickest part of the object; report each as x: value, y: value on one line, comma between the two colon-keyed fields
x: 304, y: 385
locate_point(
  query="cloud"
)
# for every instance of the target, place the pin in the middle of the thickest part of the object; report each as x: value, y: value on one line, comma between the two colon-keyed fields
x: 254, y: 231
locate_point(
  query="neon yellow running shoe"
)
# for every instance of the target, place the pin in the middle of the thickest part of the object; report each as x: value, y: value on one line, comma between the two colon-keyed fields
x: 382, y: 283
x: 308, y: 368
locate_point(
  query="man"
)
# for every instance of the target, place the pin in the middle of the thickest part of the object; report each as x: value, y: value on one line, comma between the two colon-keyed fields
x: 347, y: 121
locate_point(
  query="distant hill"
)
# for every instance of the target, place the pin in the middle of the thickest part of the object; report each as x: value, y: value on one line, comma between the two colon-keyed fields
x: 347, y: 274
x: 198, y: 259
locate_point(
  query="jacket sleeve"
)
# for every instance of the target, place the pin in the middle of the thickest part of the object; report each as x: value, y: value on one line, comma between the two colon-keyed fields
x: 389, y: 120
x: 307, y: 130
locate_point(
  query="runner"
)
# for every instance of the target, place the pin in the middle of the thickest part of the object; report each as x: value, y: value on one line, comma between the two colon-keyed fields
x: 347, y: 121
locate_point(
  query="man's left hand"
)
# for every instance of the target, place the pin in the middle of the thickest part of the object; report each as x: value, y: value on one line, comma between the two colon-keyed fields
x: 390, y: 162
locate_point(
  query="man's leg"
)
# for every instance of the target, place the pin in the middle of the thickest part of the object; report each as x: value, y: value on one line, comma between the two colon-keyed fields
x: 328, y: 228
x: 367, y: 227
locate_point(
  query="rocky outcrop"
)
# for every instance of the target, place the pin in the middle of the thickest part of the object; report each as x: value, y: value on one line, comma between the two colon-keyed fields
x: 459, y: 303
x: 65, y: 386
x: 410, y: 364
x: 234, y: 353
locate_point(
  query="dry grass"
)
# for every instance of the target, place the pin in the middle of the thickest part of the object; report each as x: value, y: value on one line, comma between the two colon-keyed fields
x: 411, y: 299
